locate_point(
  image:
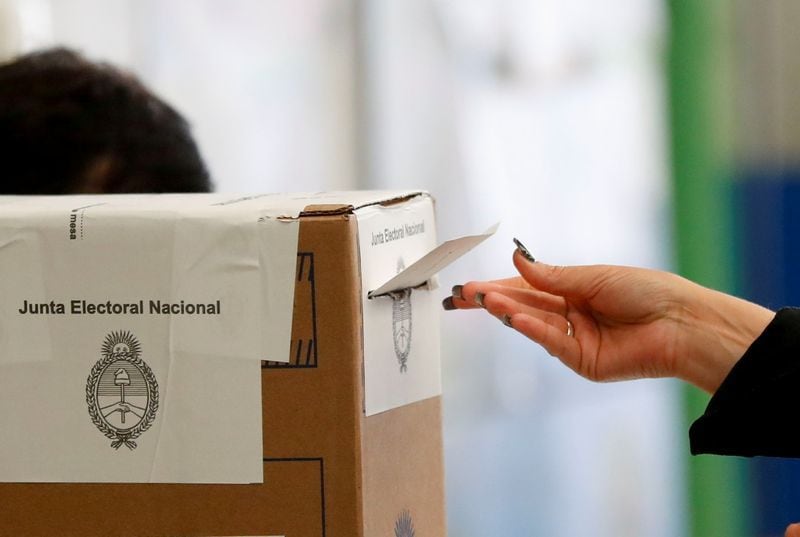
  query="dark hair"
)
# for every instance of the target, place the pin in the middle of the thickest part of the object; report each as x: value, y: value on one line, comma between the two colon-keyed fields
x: 69, y: 125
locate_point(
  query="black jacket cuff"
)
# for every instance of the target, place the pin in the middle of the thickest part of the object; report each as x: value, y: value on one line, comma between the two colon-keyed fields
x: 756, y: 409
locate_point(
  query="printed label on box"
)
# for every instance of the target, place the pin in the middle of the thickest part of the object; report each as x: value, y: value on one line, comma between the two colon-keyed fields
x: 131, y: 340
x: 402, y: 361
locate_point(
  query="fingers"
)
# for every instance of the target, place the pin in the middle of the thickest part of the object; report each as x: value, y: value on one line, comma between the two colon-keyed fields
x: 550, y: 329
x: 464, y: 296
x: 793, y: 530
x: 554, y: 340
x: 503, y: 307
x: 579, y: 282
x: 514, y: 281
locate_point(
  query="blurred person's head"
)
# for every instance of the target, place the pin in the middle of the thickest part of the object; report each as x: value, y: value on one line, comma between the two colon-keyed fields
x: 68, y: 125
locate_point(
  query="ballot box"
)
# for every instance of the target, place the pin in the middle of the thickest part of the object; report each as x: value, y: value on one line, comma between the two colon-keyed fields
x: 211, y: 365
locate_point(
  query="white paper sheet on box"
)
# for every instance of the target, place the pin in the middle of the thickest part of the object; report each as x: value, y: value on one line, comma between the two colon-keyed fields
x: 207, y: 427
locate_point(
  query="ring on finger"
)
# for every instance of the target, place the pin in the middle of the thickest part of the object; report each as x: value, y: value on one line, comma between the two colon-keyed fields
x: 570, y: 329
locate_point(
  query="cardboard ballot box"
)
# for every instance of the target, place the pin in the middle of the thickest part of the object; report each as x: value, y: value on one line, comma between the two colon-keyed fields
x: 206, y: 366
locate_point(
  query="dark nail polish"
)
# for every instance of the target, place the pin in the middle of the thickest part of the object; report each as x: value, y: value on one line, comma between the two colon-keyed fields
x: 524, y: 251
x: 479, y: 299
x: 507, y: 320
x: 447, y: 304
x: 458, y: 291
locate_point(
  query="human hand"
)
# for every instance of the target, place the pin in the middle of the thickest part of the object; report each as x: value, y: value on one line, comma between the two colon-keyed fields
x: 793, y: 530
x: 613, y: 323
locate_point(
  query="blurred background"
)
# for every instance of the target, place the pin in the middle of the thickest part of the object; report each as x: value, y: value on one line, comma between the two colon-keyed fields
x: 656, y: 133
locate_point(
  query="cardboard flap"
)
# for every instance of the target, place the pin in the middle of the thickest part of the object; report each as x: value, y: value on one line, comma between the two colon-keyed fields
x: 432, y: 262
x: 327, y: 209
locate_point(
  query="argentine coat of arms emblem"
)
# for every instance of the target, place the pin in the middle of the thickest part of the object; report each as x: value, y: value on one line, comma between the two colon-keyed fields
x: 401, y: 322
x: 121, y: 391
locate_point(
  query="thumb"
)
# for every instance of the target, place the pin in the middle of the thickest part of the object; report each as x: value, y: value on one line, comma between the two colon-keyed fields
x: 579, y: 281
x: 793, y: 530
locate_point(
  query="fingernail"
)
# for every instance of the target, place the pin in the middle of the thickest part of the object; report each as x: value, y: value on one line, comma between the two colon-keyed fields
x: 447, y: 304
x: 479, y: 299
x: 507, y: 320
x: 524, y: 251
x: 458, y: 291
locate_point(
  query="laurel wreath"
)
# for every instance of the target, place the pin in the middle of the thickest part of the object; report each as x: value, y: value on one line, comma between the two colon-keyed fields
x: 404, y: 525
x: 126, y: 438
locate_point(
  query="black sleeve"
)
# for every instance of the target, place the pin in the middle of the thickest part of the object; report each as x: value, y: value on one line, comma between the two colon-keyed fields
x: 757, y: 408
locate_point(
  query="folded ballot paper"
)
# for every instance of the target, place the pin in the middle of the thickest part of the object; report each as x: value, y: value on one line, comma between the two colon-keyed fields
x: 213, y: 339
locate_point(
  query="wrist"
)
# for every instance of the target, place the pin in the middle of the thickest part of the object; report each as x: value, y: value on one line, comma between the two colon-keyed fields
x: 716, y: 331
